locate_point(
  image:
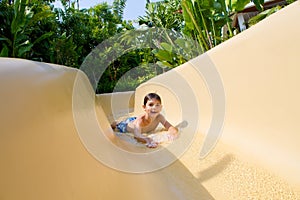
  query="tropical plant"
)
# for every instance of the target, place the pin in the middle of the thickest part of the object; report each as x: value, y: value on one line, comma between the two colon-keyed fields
x: 205, y: 19
x: 164, y: 14
x: 18, y: 21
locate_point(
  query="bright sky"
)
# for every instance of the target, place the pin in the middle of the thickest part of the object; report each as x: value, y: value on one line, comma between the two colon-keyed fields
x: 133, y: 9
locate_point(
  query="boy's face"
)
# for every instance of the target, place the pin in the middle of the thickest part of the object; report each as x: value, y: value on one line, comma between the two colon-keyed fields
x: 153, y: 107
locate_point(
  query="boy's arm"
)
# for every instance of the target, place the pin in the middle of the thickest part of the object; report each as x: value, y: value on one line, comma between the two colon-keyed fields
x: 141, y: 138
x: 173, y: 131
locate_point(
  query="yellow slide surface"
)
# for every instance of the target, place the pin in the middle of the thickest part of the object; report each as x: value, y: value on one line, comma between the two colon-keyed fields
x: 237, y: 107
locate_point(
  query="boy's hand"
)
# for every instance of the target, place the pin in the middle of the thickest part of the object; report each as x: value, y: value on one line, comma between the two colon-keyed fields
x: 151, y: 144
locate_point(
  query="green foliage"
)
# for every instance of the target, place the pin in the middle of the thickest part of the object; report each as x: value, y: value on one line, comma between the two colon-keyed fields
x: 237, y: 5
x: 127, y: 72
x: 122, y: 62
x: 290, y: 1
x: 84, y: 30
x: 118, y: 8
x: 178, y: 52
x: 145, y: 53
x: 63, y: 51
x: 199, y: 21
x: 164, y: 14
x: 18, y: 23
x: 263, y: 15
x: 205, y: 20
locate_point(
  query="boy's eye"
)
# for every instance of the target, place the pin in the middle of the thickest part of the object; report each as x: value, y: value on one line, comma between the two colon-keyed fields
x: 151, y: 104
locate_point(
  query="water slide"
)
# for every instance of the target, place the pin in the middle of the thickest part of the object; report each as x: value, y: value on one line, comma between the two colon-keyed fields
x: 236, y: 106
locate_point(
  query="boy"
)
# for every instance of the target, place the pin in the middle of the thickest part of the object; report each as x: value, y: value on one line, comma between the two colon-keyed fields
x: 147, y: 122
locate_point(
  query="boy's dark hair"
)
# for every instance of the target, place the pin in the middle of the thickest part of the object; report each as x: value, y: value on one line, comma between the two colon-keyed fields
x: 151, y: 96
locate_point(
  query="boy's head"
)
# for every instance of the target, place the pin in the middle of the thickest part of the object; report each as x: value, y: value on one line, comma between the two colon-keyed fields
x: 152, y: 105
x: 151, y: 96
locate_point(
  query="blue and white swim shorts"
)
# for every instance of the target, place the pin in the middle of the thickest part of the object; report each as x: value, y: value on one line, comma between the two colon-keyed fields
x: 122, y: 126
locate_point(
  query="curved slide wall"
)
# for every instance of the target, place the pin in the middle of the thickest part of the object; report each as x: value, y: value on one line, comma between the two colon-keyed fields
x: 46, y: 153
x: 259, y: 71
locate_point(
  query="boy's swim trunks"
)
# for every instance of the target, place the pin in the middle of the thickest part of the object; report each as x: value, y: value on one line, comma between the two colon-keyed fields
x: 122, y: 126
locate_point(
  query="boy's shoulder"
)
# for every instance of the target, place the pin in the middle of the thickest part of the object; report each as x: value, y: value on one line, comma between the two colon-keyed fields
x: 140, y: 118
x: 160, y: 117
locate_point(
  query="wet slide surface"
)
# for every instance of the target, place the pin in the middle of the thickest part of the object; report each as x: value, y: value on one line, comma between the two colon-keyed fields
x: 56, y: 141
